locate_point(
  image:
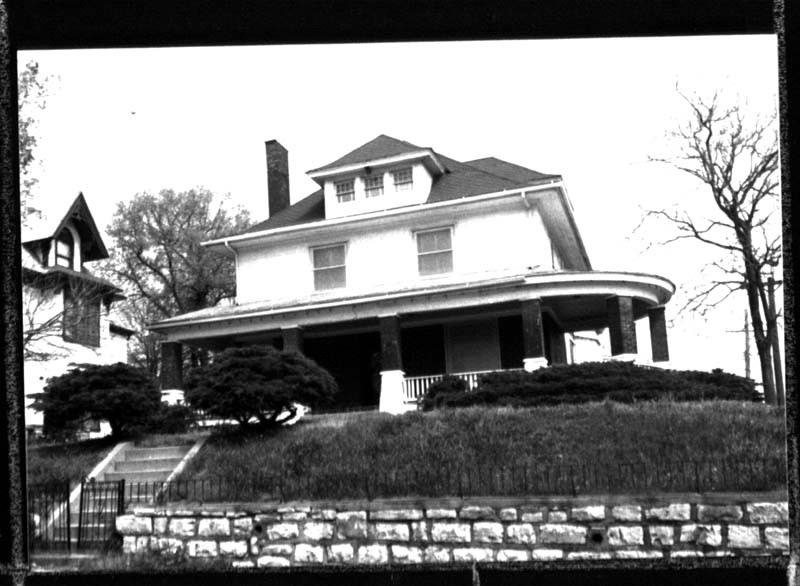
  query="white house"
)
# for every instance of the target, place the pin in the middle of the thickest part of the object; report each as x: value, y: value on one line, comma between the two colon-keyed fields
x: 67, y: 311
x: 406, y: 264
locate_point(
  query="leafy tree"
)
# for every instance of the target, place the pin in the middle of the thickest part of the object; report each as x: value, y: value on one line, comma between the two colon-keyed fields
x: 157, y: 255
x: 258, y: 382
x: 125, y: 396
x: 32, y: 100
x: 737, y: 160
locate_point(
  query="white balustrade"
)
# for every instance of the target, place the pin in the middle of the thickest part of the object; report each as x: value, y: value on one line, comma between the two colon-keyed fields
x: 416, y: 386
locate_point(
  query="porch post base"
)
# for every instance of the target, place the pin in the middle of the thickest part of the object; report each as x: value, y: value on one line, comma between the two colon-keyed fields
x: 531, y: 364
x: 629, y: 357
x: 172, y: 396
x: 392, y: 395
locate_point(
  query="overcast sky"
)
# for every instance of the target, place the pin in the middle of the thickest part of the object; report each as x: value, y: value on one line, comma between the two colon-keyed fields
x: 119, y: 122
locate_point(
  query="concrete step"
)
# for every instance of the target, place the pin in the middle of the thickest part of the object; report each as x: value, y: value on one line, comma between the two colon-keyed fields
x: 145, y: 465
x: 149, y: 476
x: 156, y: 453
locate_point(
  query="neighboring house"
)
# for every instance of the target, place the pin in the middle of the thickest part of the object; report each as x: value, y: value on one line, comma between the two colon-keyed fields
x: 406, y: 264
x: 67, y: 312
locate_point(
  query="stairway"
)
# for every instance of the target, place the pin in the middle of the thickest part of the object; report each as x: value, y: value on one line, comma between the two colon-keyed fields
x: 144, y: 471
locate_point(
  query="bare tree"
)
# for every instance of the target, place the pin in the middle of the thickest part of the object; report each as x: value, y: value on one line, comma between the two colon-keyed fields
x: 737, y: 159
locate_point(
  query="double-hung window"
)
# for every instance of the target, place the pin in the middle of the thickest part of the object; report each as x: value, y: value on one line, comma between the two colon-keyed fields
x: 345, y: 190
x: 435, y: 251
x: 329, y: 267
x: 403, y: 180
x: 373, y: 185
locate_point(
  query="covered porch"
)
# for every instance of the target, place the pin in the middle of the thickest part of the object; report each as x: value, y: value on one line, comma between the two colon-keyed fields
x: 386, y: 352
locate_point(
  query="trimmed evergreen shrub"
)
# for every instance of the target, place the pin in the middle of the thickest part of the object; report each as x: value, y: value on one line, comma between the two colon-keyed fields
x: 170, y: 419
x: 260, y: 383
x: 125, y: 396
x: 595, y: 381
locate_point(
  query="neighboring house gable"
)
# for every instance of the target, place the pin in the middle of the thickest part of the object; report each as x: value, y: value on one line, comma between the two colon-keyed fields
x: 67, y: 311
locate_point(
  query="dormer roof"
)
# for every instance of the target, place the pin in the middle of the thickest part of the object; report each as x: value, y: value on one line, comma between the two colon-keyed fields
x: 45, y: 228
x: 379, y: 151
x: 457, y: 180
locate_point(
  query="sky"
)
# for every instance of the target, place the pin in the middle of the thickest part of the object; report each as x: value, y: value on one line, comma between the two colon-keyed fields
x: 121, y: 122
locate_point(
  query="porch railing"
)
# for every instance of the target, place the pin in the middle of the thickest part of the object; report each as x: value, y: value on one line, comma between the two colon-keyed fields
x: 415, y: 387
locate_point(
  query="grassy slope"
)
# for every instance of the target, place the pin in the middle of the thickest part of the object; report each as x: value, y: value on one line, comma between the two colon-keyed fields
x: 594, y: 433
x: 65, y: 462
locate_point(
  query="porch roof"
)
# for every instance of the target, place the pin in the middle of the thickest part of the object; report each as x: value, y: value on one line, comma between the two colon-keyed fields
x: 451, y: 292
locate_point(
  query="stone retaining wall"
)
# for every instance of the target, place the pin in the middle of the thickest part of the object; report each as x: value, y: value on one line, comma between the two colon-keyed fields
x: 455, y: 531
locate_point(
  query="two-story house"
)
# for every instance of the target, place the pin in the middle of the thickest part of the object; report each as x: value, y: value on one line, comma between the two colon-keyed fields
x: 66, y: 310
x: 406, y: 264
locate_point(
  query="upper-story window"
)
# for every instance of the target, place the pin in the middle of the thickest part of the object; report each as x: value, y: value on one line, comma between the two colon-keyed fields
x: 329, y: 267
x: 435, y: 251
x: 403, y: 180
x: 345, y: 190
x: 81, y: 319
x: 373, y: 186
x: 65, y: 249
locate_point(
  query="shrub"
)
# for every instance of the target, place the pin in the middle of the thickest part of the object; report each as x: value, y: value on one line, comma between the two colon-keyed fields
x: 258, y: 382
x: 596, y: 381
x: 448, y: 386
x: 123, y: 395
x: 170, y: 419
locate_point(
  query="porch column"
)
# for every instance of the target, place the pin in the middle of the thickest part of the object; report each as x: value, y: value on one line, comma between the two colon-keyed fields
x: 171, y: 377
x: 532, y: 335
x: 392, y: 375
x: 658, y: 334
x: 621, y: 327
x: 292, y: 339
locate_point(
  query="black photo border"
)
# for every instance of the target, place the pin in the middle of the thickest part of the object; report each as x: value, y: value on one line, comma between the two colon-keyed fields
x: 62, y: 24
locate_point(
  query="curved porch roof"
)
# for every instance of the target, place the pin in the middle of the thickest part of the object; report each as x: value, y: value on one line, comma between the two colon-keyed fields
x: 576, y: 299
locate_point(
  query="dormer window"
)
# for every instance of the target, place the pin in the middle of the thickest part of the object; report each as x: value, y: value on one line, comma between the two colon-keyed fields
x: 65, y: 249
x: 345, y: 190
x: 403, y: 180
x: 373, y: 186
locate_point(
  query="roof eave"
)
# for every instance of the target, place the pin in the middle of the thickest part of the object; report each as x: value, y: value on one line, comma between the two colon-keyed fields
x: 229, y: 241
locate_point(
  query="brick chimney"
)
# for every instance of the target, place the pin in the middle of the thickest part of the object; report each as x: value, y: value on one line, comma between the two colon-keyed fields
x: 277, y: 177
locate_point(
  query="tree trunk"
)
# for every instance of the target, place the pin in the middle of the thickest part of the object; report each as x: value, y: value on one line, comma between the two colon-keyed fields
x: 772, y: 336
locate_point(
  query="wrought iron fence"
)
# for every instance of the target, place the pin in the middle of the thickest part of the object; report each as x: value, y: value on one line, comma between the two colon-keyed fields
x: 533, y: 479
x: 49, y: 517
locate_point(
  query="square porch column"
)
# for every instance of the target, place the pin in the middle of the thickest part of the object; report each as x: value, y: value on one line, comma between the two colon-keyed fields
x: 621, y: 327
x: 292, y: 339
x: 171, y: 376
x: 532, y: 335
x: 392, y: 399
x: 658, y: 334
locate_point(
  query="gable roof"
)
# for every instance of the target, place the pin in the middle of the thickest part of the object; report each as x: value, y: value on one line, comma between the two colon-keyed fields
x: 51, y: 226
x: 477, y: 177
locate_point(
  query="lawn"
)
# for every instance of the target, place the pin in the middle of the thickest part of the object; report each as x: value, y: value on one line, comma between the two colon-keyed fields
x: 59, y: 463
x: 647, y: 446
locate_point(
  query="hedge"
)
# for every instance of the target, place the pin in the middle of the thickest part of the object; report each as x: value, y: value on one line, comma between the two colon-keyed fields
x: 591, y: 381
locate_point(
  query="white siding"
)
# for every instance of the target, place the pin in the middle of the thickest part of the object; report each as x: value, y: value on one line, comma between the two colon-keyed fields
x: 508, y: 239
